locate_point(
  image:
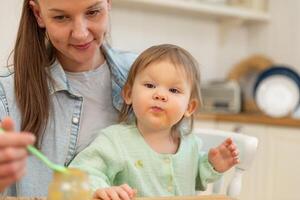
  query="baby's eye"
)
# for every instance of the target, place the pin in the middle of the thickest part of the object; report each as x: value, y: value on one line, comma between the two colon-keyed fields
x: 174, y: 90
x: 93, y: 12
x: 149, y: 85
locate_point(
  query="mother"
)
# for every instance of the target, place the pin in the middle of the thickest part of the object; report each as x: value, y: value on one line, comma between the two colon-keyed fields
x: 64, y: 85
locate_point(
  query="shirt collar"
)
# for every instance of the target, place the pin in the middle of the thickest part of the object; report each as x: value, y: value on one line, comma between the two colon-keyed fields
x: 59, y: 80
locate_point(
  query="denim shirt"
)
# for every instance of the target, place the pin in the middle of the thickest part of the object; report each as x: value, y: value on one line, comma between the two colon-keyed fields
x: 60, y: 138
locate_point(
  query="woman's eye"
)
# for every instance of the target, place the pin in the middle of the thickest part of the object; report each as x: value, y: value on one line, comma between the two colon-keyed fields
x: 60, y: 18
x: 93, y: 12
x: 149, y: 85
x: 174, y: 90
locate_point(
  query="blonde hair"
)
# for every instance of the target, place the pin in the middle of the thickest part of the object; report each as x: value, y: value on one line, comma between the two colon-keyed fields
x: 180, y: 58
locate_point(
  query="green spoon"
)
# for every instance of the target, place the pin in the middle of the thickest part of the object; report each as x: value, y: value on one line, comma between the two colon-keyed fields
x: 43, y: 158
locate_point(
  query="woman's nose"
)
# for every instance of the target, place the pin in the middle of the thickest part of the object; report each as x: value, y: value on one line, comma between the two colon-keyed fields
x: 160, y: 97
x: 80, y: 29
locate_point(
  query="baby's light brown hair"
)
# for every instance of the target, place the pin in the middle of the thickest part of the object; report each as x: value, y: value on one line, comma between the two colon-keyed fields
x: 181, y: 59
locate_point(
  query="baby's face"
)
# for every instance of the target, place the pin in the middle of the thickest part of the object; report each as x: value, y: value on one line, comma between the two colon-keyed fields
x: 160, y: 95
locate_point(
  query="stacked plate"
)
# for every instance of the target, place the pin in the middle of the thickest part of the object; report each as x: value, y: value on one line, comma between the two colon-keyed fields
x: 277, y: 91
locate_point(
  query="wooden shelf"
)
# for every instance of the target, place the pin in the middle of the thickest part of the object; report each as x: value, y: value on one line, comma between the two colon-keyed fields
x: 250, y: 118
x: 192, y: 7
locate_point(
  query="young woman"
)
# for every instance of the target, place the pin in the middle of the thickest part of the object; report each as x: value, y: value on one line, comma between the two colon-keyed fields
x: 64, y: 84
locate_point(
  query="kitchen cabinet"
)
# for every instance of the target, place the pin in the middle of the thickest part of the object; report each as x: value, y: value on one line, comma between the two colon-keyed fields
x: 275, y: 172
x: 252, y: 11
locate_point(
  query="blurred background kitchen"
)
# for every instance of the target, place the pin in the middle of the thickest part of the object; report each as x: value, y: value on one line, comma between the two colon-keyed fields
x: 249, y: 51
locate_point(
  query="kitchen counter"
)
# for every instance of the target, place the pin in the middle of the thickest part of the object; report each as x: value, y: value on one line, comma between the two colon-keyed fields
x: 250, y: 118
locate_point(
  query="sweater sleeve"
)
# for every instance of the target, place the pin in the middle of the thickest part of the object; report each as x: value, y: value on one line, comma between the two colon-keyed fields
x: 101, y: 160
x: 206, y: 173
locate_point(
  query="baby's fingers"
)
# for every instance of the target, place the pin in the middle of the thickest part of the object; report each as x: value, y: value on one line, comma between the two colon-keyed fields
x: 232, y: 147
x: 235, y: 156
x: 131, y: 192
x: 235, y: 153
x: 122, y: 193
x: 236, y: 160
x: 113, y: 194
x: 101, y: 194
x: 228, y: 142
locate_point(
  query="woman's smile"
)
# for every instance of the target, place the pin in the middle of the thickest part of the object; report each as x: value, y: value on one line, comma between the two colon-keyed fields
x: 83, y: 46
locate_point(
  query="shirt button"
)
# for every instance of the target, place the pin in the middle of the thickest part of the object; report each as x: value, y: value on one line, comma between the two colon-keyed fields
x: 167, y: 160
x: 75, y: 120
x: 170, y: 188
x: 171, y: 178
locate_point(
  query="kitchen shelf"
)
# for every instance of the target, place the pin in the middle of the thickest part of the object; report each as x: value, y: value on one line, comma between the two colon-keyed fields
x: 250, y: 118
x: 222, y: 12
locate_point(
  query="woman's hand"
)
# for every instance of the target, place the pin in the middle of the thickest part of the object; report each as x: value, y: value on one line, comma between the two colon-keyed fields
x: 122, y: 192
x: 13, y: 153
x: 224, y: 156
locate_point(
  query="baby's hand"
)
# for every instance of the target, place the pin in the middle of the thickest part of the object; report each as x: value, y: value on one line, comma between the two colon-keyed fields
x: 224, y: 156
x: 122, y: 192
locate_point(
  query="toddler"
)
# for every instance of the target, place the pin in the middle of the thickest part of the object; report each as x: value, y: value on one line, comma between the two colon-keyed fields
x: 153, y: 151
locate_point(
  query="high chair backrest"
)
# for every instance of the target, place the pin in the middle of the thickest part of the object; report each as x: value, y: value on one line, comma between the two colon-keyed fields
x: 247, y: 146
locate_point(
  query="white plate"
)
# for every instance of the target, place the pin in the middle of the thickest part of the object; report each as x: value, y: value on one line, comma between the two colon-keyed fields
x: 277, y: 95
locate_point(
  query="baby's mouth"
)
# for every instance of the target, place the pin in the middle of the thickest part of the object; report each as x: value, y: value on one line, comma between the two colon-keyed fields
x: 156, y: 109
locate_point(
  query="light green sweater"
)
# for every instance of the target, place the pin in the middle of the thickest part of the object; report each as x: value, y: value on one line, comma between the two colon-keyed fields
x: 120, y: 155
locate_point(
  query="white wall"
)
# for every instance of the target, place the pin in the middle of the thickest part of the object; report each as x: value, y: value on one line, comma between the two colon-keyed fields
x: 9, y: 16
x: 281, y: 37
x: 138, y: 29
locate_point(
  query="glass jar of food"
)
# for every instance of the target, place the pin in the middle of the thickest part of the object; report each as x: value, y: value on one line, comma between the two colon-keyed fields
x: 73, y: 185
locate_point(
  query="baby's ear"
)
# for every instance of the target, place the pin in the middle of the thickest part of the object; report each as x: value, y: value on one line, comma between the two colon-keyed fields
x: 126, y: 94
x: 192, y: 107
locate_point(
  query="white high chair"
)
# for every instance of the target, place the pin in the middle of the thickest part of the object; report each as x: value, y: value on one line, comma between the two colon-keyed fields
x: 247, y: 146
